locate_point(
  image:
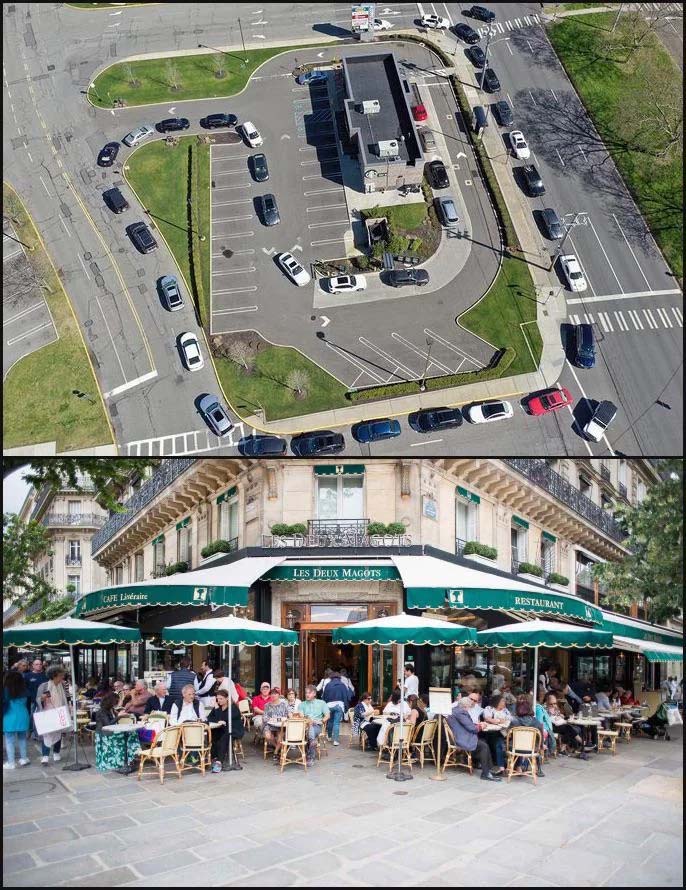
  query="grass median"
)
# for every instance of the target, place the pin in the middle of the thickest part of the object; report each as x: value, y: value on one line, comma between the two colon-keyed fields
x: 635, y: 99
x: 39, y: 404
x: 178, y: 78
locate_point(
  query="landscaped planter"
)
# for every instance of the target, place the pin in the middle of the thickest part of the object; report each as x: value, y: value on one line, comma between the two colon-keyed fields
x: 483, y: 560
x: 562, y: 588
x: 528, y: 576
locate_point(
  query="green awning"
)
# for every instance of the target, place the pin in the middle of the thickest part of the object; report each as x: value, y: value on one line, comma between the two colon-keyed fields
x: 339, y: 470
x: 405, y: 629
x: 69, y: 631
x: 655, y: 652
x: 627, y: 627
x: 229, y: 630
x: 548, y: 537
x: 470, y: 496
x: 522, y: 523
x: 227, y: 494
x: 183, y: 524
x: 158, y: 540
x: 544, y: 633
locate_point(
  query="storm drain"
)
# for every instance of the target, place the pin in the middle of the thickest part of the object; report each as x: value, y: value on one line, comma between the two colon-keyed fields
x: 24, y: 790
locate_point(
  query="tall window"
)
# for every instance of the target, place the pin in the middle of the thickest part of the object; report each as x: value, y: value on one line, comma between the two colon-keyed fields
x: 622, y: 472
x: 228, y: 519
x: 585, y: 486
x: 340, y: 497
x: 158, y: 556
x: 138, y: 572
x: 73, y: 508
x: 518, y: 541
x: 183, y: 545
x: 76, y: 581
x: 119, y: 574
x: 75, y: 550
x: 641, y: 491
x: 547, y: 555
x: 466, y: 520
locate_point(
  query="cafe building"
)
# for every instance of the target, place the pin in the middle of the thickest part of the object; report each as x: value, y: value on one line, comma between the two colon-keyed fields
x: 312, y: 546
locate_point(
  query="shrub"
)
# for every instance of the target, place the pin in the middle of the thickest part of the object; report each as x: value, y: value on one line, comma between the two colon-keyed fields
x: 216, y: 547
x: 376, y: 528
x: 555, y: 578
x: 298, y: 528
x: 480, y: 549
x: 176, y: 567
x: 281, y: 528
x: 530, y: 568
x: 395, y: 528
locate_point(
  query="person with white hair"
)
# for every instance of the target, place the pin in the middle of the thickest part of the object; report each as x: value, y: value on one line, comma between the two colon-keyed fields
x: 140, y: 695
x: 160, y: 700
x: 190, y: 708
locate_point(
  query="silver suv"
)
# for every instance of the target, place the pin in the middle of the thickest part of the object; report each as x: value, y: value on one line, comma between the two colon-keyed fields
x: 446, y: 210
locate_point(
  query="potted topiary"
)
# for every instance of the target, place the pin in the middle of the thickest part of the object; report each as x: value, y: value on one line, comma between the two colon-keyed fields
x: 480, y: 553
x: 558, y: 582
x: 216, y: 548
x: 290, y: 535
x: 175, y: 567
x: 376, y: 532
x: 395, y: 529
x: 530, y: 571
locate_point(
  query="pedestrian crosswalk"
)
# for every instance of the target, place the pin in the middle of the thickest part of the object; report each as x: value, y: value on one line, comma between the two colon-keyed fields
x: 631, y: 320
x: 193, y: 442
x: 509, y: 25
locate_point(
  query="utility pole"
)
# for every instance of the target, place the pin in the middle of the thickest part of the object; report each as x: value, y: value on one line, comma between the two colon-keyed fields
x: 568, y: 229
x: 422, y: 385
x: 240, y: 28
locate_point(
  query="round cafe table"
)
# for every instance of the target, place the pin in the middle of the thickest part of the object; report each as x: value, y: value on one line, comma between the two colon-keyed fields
x: 125, y: 728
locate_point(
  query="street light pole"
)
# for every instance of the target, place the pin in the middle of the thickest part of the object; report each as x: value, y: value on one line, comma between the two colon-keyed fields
x: 422, y: 385
x: 558, y: 249
x: 240, y: 28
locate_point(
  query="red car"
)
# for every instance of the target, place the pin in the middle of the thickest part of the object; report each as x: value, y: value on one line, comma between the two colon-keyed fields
x: 419, y: 112
x: 550, y: 400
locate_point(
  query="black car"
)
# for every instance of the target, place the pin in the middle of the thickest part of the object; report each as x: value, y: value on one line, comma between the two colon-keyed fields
x: 141, y: 236
x: 260, y: 170
x: 488, y: 79
x: 504, y: 114
x: 438, y: 175
x: 115, y: 200
x: 435, y: 419
x: 108, y: 154
x: 405, y: 277
x: 584, y: 347
x: 256, y: 446
x: 480, y: 12
x: 477, y: 56
x: 551, y: 224
x: 172, y: 124
x: 318, y: 442
x: 466, y: 33
x: 269, y: 210
x: 212, y: 121
x: 532, y: 181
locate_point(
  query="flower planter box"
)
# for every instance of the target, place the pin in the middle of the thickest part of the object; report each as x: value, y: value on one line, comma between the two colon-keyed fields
x: 563, y: 588
x: 538, y: 579
x: 483, y: 560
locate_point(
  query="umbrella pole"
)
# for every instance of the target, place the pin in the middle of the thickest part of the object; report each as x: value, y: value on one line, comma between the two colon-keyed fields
x: 535, y: 692
x: 400, y: 775
x: 439, y: 777
x: 293, y: 667
x: 232, y: 763
x: 75, y: 766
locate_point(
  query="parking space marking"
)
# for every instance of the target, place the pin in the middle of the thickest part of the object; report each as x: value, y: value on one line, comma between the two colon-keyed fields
x: 235, y: 272
x: 21, y: 314
x: 237, y: 235
x: 235, y: 310
x: 229, y: 219
x: 600, y: 244
x: 316, y: 147
x: 228, y: 172
x: 13, y: 340
x: 632, y: 252
x: 327, y: 241
x: 230, y: 203
x: 588, y: 280
x: 421, y: 353
x: 224, y: 188
x: 325, y: 207
x: 333, y: 222
x: 236, y: 290
x: 320, y: 176
x: 449, y: 345
x: 356, y: 364
x: 399, y: 366
x: 336, y: 188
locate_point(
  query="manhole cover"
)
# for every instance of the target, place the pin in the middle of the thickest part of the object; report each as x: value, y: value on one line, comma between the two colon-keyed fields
x: 227, y: 253
x: 399, y: 793
x: 32, y: 788
x: 358, y: 766
x: 88, y: 323
x: 313, y: 317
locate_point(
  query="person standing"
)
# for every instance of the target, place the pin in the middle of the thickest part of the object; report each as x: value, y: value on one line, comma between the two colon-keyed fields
x: 324, y: 680
x: 49, y: 695
x: 15, y: 718
x: 33, y: 680
x: 411, y: 684
x: 337, y: 696
x: 180, y: 678
x: 204, y: 681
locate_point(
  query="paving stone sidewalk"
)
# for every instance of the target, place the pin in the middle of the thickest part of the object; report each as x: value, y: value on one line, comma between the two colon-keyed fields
x: 610, y: 821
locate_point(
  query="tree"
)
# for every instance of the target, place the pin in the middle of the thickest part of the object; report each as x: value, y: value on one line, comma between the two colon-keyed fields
x: 22, y: 544
x: 172, y: 75
x: 654, y: 569
x: 298, y: 380
x: 219, y: 65
x: 52, y: 609
x: 108, y: 475
x: 242, y: 353
x: 131, y: 78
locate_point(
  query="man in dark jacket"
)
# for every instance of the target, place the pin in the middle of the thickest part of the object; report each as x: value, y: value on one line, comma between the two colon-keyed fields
x: 160, y: 700
x: 180, y: 678
x: 337, y: 695
x: 33, y: 680
x: 466, y: 734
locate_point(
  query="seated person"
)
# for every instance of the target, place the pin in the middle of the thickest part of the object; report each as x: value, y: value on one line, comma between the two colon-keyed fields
x: 317, y: 711
x: 91, y: 688
x: 626, y: 698
x: 220, y: 735
x: 570, y: 696
x: 190, y: 709
x: 113, y: 751
x: 363, y: 713
x: 376, y: 732
x: 474, y: 707
x: 570, y: 739
x: 602, y: 699
x: 258, y: 704
x: 497, y: 714
x: 524, y: 716
x: 160, y: 700
x: 140, y: 694
x: 275, y: 711
x: 223, y: 682
x: 466, y: 734
x: 124, y: 695
x: 417, y: 718
x: 584, y: 690
x: 293, y: 702
x: 510, y: 699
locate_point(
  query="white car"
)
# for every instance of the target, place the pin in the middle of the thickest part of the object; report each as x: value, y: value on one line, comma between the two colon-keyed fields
x: 343, y: 284
x: 293, y: 269
x: 381, y: 25
x: 251, y: 134
x: 190, y: 349
x: 595, y: 428
x: 487, y: 412
x: 520, y: 147
x: 136, y: 136
x: 435, y: 21
x: 573, y: 274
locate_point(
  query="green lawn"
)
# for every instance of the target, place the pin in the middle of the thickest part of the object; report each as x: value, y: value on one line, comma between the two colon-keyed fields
x: 195, y: 77
x: 618, y: 95
x: 38, y: 402
x: 497, y: 318
x: 403, y: 217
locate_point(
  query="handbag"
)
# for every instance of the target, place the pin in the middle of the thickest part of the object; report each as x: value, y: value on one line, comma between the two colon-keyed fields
x: 674, y: 717
x: 52, y: 720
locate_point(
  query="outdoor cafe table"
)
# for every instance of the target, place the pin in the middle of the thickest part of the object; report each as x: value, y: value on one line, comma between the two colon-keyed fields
x: 586, y: 723
x: 125, y: 728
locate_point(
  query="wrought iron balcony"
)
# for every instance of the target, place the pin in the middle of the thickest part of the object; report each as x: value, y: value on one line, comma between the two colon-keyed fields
x: 62, y: 520
x: 337, y: 526
x: 605, y: 472
x: 459, y: 546
x: 538, y: 472
x: 72, y: 560
x: 161, y: 479
x: 622, y: 489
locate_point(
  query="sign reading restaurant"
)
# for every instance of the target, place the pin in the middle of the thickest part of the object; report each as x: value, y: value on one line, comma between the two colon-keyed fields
x: 530, y: 602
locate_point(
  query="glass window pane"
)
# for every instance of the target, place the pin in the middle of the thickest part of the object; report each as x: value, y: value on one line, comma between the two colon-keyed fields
x: 602, y: 669
x: 327, y: 497
x: 461, y: 514
x: 233, y: 520
x: 440, y: 666
x: 353, y: 497
x: 224, y: 521
x: 331, y: 613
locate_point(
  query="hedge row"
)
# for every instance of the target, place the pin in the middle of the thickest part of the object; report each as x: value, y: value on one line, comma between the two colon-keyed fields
x: 497, y: 369
x: 216, y: 547
x: 194, y: 230
x: 480, y: 549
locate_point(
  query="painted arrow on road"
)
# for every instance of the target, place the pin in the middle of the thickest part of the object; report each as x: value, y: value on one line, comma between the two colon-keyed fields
x: 296, y: 247
x: 260, y: 36
x: 461, y: 154
x: 172, y: 109
x: 320, y: 55
x: 285, y: 136
x: 325, y: 320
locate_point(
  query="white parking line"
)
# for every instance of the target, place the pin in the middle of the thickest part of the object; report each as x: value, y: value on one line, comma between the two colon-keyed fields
x: 327, y: 241
x: 605, y: 322
x: 24, y: 312
x: 230, y: 203
x: 216, y: 222
x: 45, y: 187
x: 588, y: 280
x: 235, y: 271
x: 420, y: 352
x: 235, y: 310
x: 449, y: 345
x: 356, y: 364
x: 336, y: 188
x: 532, y: 98
x: 678, y: 315
x: 583, y: 393
x: 429, y: 442
x: 621, y: 321
x: 13, y: 340
x: 588, y: 318
x: 321, y: 176
x: 225, y: 188
x: 560, y: 157
x: 612, y: 269
x: 333, y: 222
x: 554, y: 96
x: 322, y: 161
x: 388, y: 357
x: 325, y: 207
x: 638, y: 324
x: 237, y: 235
x: 315, y: 147
x: 650, y: 318
x: 228, y: 172
x: 234, y: 290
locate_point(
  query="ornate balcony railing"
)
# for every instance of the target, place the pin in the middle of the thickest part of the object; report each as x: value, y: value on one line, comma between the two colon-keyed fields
x: 622, y: 489
x: 72, y: 560
x: 338, y: 526
x: 161, y: 479
x: 541, y: 474
x: 61, y: 520
x: 605, y: 472
x: 459, y: 546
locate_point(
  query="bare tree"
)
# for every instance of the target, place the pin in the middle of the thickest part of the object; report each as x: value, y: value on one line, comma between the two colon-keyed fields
x: 172, y: 74
x: 219, y: 63
x: 243, y: 354
x: 298, y: 380
x: 131, y: 78
x: 645, y: 19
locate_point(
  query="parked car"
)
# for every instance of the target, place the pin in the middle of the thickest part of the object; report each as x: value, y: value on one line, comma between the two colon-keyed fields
x: 213, y: 121
x: 419, y: 112
x: 600, y: 420
x: 343, y: 284
x: 251, y: 134
x: 487, y: 412
x: 532, y: 181
x: 406, y: 277
x: 438, y: 175
x: 172, y: 124
x: 259, y: 446
x: 169, y: 288
x: 435, y: 420
x: 115, y: 200
x: 427, y: 138
x: 316, y: 443
x: 573, y: 274
x: 260, y: 170
x: 488, y: 79
x: 190, y: 351
x: 308, y: 77
x: 446, y: 210
x: 142, y: 237
x: 375, y: 430
x: 551, y: 400
x: 583, y: 346
x: 135, y: 137
x: 552, y: 224
x: 108, y: 154
x: 269, y: 210
x: 477, y: 56
x: 436, y: 22
x: 467, y: 33
x: 520, y: 147
x: 293, y: 269
x: 480, y: 12
x: 381, y: 25
x: 215, y: 415
x: 503, y: 112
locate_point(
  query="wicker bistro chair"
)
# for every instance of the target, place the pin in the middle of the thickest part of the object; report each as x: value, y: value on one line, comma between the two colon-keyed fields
x: 353, y: 738
x: 195, y: 739
x: 523, y: 742
x: 166, y: 745
x: 126, y: 718
x: 392, y: 745
x: 624, y: 730
x: 425, y: 746
x: 294, y: 738
x: 455, y: 756
x: 322, y: 741
x: 610, y: 736
x: 159, y: 715
x: 246, y: 712
x: 238, y: 752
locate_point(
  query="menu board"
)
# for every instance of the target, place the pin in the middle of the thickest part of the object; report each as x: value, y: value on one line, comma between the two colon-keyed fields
x: 440, y: 700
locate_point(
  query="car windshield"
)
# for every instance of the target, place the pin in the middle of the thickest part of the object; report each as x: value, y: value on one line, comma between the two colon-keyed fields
x: 492, y: 410
x: 574, y: 273
x: 217, y: 413
x: 343, y: 280
x: 295, y: 267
